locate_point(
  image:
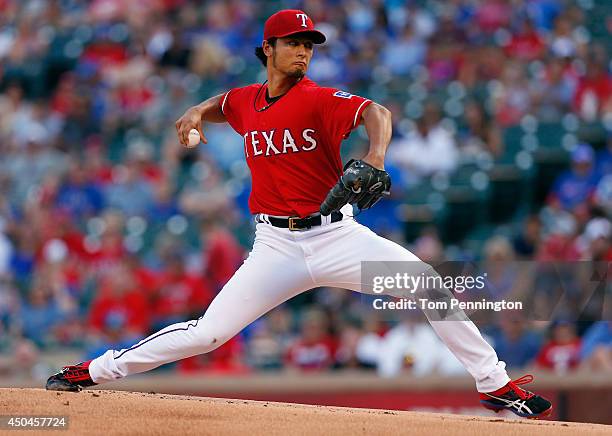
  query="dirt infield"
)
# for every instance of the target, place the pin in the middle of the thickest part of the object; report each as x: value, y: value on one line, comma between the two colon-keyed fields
x: 113, y: 412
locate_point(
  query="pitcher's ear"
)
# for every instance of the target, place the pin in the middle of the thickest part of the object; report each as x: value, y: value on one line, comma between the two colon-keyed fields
x: 267, y: 48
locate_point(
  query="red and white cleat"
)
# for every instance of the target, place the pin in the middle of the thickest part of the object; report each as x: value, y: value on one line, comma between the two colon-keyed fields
x: 518, y: 400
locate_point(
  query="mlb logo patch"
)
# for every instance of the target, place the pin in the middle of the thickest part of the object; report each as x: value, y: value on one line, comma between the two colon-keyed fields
x: 343, y: 94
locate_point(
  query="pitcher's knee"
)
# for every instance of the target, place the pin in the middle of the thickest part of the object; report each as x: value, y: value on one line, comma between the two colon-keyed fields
x: 209, y: 339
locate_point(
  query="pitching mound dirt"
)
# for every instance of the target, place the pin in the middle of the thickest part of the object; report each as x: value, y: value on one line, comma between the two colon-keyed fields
x: 112, y: 412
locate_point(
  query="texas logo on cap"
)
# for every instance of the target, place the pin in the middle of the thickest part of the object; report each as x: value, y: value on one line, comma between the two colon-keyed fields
x: 290, y: 21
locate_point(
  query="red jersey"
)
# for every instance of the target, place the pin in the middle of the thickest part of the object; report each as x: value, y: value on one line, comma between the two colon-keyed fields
x: 560, y: 357
x: 292, y: 147
x: 312, y: 355
x: 130, y: 309
x: 180, y: 295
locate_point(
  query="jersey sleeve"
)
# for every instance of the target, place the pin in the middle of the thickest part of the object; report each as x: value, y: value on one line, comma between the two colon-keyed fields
x: 341, y: 112
x: 229, y: 107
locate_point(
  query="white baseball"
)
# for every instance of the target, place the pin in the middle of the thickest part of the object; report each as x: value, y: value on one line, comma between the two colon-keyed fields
x: 193, y: 138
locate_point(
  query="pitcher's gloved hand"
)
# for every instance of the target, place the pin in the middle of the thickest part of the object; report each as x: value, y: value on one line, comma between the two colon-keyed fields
x: 361, y: 184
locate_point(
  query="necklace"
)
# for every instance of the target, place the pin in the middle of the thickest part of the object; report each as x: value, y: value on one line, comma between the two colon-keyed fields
x: 274, y: 100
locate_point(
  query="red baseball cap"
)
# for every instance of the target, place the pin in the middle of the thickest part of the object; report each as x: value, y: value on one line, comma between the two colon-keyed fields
x: 290, y: 21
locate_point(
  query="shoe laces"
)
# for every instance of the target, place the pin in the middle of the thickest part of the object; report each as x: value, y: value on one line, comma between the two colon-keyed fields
x: 74, y: 370
x: 514, y: 384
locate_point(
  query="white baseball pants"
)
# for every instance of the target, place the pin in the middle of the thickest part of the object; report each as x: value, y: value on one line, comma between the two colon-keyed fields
x: 281, y: 265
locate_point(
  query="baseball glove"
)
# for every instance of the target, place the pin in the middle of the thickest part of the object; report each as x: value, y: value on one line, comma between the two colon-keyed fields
x: 361, y: 184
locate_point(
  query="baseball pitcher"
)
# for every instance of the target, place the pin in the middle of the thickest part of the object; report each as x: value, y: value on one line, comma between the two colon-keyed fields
x: 301, y: 199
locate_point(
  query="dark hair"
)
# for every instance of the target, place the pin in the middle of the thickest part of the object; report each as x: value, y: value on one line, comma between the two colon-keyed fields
x: 260, y: 53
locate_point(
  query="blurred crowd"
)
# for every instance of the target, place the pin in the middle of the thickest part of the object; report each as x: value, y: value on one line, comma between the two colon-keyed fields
x: 109, y: 229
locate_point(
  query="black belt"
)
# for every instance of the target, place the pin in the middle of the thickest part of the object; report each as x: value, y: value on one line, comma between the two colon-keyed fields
x: 297, y: 223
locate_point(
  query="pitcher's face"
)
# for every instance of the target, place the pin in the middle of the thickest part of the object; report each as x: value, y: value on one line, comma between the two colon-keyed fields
x: 291, y: 55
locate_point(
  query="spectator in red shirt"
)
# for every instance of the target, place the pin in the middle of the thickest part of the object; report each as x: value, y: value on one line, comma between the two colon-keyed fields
x: 119, y: 298
x: 57, y: 225
x: 140, y: 154
x: 526, y: 44
x: 222, y: 254
x: 145, y: 278
x: 562, y: 351
x: 96, y: 162
x: 594, y: 91
x: 227, y: 359
x: 105, y: 52
x: 315, y: 349
x: 108, y: 251
x: 512, y: 99
x: 63, y: 98
x: 179, y: 294
x: 492, y: 15
x: 559, y: 247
